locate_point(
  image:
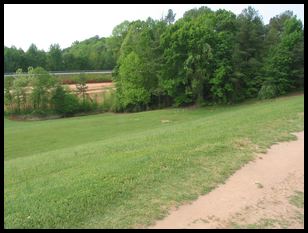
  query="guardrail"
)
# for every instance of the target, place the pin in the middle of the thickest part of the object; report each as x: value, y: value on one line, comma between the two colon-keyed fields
x: 67, y: 72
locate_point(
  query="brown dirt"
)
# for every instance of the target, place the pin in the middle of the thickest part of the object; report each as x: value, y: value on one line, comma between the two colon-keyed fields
x: 94, y: 87
x: 32, y: 118
x: 260, y: 190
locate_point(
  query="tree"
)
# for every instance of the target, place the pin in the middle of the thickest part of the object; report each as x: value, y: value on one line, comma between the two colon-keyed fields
x: 222, y: 86
x: 188, y: 57
x: 42, y: 84
x: 35, y: 57
x: 275, y: 28
x: 115, y: 41
x: 19, y: 91
x: 14, y: 59
x: 91, y: 54
x: 284, y: 65
x: 170, y: 17
x: 82, y: 87
x: 54, y: 58
x: 247, y: 57
x: 141, y: 44
x: 204, y: 57
x: 8, y: 95
x: 64, y: 103
x: 131, y: 92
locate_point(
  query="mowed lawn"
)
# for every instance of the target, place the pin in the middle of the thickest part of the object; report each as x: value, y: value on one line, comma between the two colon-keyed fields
x: 127, y: 170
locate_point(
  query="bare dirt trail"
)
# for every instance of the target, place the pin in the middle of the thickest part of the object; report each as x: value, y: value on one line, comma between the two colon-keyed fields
x: 94, y: 87
x: 257, y: 194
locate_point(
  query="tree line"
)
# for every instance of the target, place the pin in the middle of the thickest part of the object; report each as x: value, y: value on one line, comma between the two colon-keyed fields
x: 205, y: 57
x: 209, y: 57
x: 92, y: 54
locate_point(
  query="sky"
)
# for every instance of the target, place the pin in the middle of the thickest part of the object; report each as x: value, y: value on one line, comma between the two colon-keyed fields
x: 46, y: 24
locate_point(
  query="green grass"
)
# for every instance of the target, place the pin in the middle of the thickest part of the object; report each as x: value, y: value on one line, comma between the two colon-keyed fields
x: 263, y: 223
x: 297, y: 199
x: 299, y: 217
x: 127, y: 170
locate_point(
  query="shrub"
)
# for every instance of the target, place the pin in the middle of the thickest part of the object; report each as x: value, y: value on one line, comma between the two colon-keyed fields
x: 8, y: 96
x: 71, y: 105
x: 58, y: 99
x: 87, y: 106
x: 64, y: 103
x: 42, y: 83
x: 109, y: 102
x: 40, y: 112
x: 82, y: 87
x: 267, y: 91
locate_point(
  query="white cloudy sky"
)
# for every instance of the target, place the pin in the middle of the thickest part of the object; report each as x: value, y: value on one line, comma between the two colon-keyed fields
x: 45, y: 24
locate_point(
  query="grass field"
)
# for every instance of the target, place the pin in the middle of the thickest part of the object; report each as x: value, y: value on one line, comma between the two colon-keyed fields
x: 127, y: 170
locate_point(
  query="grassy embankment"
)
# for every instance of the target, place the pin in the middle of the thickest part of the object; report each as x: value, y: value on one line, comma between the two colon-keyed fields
x: 126, y: 170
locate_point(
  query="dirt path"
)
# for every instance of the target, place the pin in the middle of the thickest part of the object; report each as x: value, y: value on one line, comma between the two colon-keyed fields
x: 94, y: 87
x: 256, y: 196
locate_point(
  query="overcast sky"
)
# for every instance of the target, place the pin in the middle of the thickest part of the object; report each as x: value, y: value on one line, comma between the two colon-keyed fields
x: 45, y: 24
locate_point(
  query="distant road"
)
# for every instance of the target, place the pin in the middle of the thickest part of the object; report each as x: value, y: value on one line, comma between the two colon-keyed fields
x: 69, y: 72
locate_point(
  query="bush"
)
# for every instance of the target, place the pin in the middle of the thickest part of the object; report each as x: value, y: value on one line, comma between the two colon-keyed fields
x: 88, y: 106
x: 182, y: 100
x: 8, y: 96
x: 64, y: 103
x: 267, y: 91
x: 42, y: 82
x: 40, y: 112
x: 109, y: 102
x: 58, y: 99
x: 71, y: 105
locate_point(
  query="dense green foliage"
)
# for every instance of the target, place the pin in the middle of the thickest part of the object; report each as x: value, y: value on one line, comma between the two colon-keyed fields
x: 65, y: 103
x: 284, y: 63
x: 209, y: 57
x: 127, y: 170
x: 205, y: 57
x: 39, y: 93
x: 91, y: 54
